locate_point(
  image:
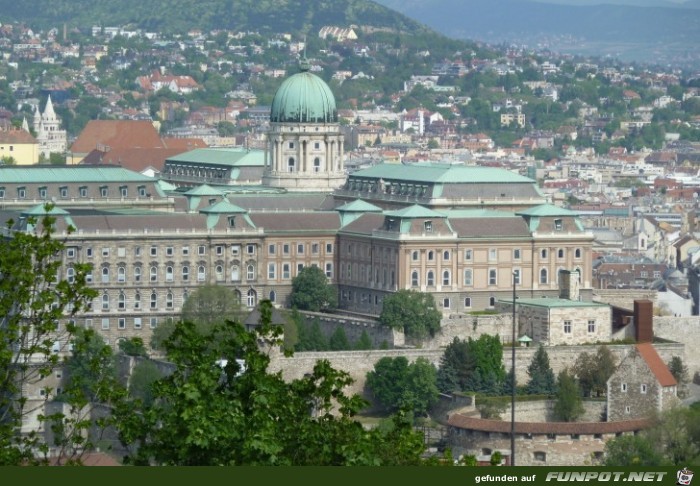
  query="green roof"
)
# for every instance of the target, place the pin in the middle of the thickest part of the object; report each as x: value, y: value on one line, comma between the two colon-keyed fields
x: 553, y: 302
x: 415, y: 211
x: 78, y: 174
x: 304, y: 98
x: 360, y: 206
x: 204, y: 190
x: 442, y: 173
x: 40, y: 210
x: 232, y: 157
x: 547, y: 210
x: 478, y: 213
x: 224, y: 206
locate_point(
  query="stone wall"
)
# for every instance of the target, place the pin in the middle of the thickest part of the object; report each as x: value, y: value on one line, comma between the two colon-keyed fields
x: 354, y: 326
x: 623, y: 298
x: 465, y: 326
x: 543, y: 411
x: 683, y: 330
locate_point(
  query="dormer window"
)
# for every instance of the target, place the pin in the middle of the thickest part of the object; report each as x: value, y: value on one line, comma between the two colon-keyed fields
x: 231, y: 221
x: 558, y: 225
x: 390, y: 224
x: 428, y: 225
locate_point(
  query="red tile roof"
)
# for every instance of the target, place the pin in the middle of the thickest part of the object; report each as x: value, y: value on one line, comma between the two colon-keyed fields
x: 657, y: 366
x: 117, y: 134
x: 16, y: 136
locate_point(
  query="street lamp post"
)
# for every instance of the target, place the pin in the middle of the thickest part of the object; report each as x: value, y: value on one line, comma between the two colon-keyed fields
x: 512, y: 384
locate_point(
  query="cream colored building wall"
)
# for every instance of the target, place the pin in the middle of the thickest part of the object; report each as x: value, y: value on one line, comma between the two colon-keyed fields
x: 23, y: 153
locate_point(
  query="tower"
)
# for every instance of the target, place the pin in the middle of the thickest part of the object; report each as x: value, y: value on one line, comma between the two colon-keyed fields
x: 305, y: 146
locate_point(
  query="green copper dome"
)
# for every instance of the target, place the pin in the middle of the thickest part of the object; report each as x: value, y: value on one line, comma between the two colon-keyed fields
x: 304, y: 98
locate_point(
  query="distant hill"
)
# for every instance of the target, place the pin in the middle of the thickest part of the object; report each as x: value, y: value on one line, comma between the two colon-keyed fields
x: 295, y: 16
x: 522, y: 20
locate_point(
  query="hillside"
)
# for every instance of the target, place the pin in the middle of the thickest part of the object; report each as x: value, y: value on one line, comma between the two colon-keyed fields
x: 599, y: 29
x: 297, y: 16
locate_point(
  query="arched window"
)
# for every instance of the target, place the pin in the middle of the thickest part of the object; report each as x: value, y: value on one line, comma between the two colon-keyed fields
x: 446, y: 255
x: 137, y: 300
x: 154, y: 273
x: 169, y: 300
x: 431, y: 278
x: 273, y: 296
x: 121, y: 274
x: 185, y: 273
x: 70, y: 274
x: 492, y: 301
x: 414, y: 255
x: 185, y: 296
x: 105, y: 274
x: 168, y: 274
x: 237, y: 297
x: 431, y: 255
x: 121, y: 301
x: 446, y: 277
x: 560, y: 253
x: 251, y: 298
x: 317, y: 165
x: 137, y: 274
x: 201, y: 273
x: 154, y: 300
x: 105, y: 301
x: 250, y: 272
x: 543, y: 276
x: 219, y: 272
x: 291, y: 165
x: 577, y: 253
x: 414, y: 279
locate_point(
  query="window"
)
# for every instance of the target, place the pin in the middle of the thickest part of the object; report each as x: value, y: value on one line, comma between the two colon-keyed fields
x: 154, y: 300
x: 290, y: 164
x: 300, y: 248
x: 291, y: 145
x: 567, y: 327
x: 643, y: 389
x: 104, y: 191
x: 493, y: 276
x: 285, y: 248
x: 468, y: 278
x: 88, y: 252
x: 250, y: 272
x: 121, y: 274
x: 271, y: 271
x: 121, y: 301
x: 329, y: 270
x: 105, y: 301
x: 70, y: 252
x: 643, y: 274
x: 543, y: 276
x: 329, y: 248
x: 219, y: 250
x: 142, y: 191
x: 516, y: 276
x: 83, y: 191
x: 414, y: 255
x: 137, y: 300
x: 88, y: 276
x: 273, y: 296
x: 468, y: 255
x: 251, y: 298
x: 123, y: 191
x: 2, y: 193
x: 105, y: 274
x: 314, y: 249
x: 219, y: 272
x: 137, y: 251
x: 543, y: 253
x: 201, y: 273
x: 446, y: 255
x: 623, y: 387
x: 628, y: 409
x: 516, y: 254
x: 558, y: 225
x: 560, y: 253
x: 446, y: 303
x: 105, y: 323
x: 154, y: 273
x: 467, y: 302
x: 121, y: 323
x: 137, y: 323
x: 154, y: 251
x: 431, y: 278
x: 493, y: 254
x: 169, y: 300
x: 415, y: 282
x: 317, y: 164
x: 235, y: 273
x: 271, y: 249
x: 250, y: 249
x: 185, y: 251
x: 285, y: 271
x: 153, y: 322
x: 137, y: 273
x: 446, y: 277
x: 657, y: 274
x: 201, y: 250
x: 21, y: 193
x: 577, y: 253
x: 169, y: 251
x: 185, y: 273
x: 431, y: 255
x: 591, y: 325
x: 42, y: 192
x: 105, y: 252
x: 428, y: 225
x: 70, y: 274
x: 540, y: 456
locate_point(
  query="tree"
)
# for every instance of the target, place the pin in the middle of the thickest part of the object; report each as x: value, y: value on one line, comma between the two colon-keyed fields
x: 593, y: 372
x: 568, y: 406
x: 680, y: 372
x: 33, y: 299
x: 312, y: 292
x: 542, y: 381
x: 141, y: 381
x: 364, y: 343
x: 133, y: 347
x: 202, y: 415
x: 631, y: 450
x: 473, y: 365
x: 398, y: 384
x: 209, y: 304
x: 412, y: 312
x: 338, y: 340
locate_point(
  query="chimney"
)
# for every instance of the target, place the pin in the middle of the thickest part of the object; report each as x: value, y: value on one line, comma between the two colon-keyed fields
x: 569, y: 283
x: 644, y: 321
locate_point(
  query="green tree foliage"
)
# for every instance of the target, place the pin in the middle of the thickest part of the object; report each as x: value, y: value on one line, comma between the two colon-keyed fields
x: 473, y: 365
x: 568, y: 406
x: 141, y: 381
x: 542, y: 381
x: 202, y: 415
x: 311, y: 338
x: 593, y: 371
x: 209, y: 304
x: 133, y: 347
x: 33, y: 298
x: 312, y: 292
x: 631, y: 450
x: 364, y: 343
x: 339, y: 340
x: 397, y: 384
x: 412, y: 312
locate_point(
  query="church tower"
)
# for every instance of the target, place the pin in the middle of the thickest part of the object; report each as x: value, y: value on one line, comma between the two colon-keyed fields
x: 47, y: 127
x: 305, y: 146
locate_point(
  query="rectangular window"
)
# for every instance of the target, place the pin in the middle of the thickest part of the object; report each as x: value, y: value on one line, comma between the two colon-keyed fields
x: 286, y: 271
x: 493, y: 254
x: 123, y: 191
x: 169, y: 251
x: 42, y: 193
x: 591, y: 325
x: 21, y: 193
x: 137, y: 251
x: 446, y: 303
x: 219, y: 250
x: 88, y: 252
x: 468, y: 279
x: 329, y: 248
x: 468, y: 255
x: 428, y: 225
x: 142, y: 191
x: 300, y: 248
x: 250, y: 249
x: 543, y: 253
x: 516, y: 276
x: 567, y: 327
x: 137, y: 323
x: 235, y: 250
x: 105, y: 323
x: 104, y: 191
x: 271, y: 249
x: 643, y: 389
x: 558, y: 225
x: 300, y: 267
x: 154, y: 322
x: 271, y: 271
x: 105, y: 252
x: 83, y: 191
x: 201, y: 250
x: 154, y: 251
x: 623, y: 387
x: 516, y: 254
x: 121, y: 323
x: 314, y: 249
x: 185, y: 251
x: 2, y: 193
x: 493, y: 276
x: 70, y: 252
x: 329, y: 270
x: 285, y: 248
